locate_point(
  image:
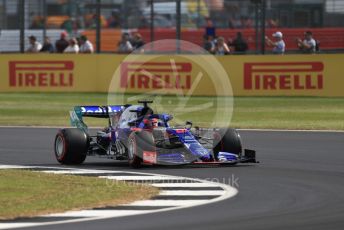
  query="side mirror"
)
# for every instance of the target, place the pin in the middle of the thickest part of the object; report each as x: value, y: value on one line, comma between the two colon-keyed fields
x: 166, y: 117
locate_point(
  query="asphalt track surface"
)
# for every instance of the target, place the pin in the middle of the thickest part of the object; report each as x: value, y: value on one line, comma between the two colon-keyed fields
x: 299, y: 183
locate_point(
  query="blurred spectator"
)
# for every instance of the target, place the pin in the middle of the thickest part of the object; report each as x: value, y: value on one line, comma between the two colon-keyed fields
x: 35, y: 46
x: 62, y: 43
x: 308, y: 45
x: 124, y: 46
x: 210, y: 29
x: 278, y: 45
x: 78, y: 42
x: 209, y: 44
x: 239, y: 44
x: 47, y: 46
x: 138, y: 43
x: 221, y: 47
x: 73, y: 46
x: 85, y: 45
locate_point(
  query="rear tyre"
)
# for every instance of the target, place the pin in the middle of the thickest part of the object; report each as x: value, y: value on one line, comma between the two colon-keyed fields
x: 227, y: 140
x: 71, y: 146
x: 138, y: 142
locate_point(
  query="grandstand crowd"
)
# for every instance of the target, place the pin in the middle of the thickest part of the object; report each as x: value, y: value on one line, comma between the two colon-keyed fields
x: 212, y: 44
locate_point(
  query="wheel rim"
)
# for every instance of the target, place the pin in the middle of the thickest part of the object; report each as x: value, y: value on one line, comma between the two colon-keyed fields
x: 59, y: 146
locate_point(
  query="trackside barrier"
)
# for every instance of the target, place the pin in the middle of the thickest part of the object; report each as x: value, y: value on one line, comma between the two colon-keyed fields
x: 288, y: 75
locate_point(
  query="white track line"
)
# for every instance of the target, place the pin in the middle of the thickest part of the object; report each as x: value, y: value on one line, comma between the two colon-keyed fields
x: 177, y: 185
x: 13, y: 167
x: 192, y: 193
x: 96, y: 213
x: 174, y: 204
x: 76, y: 172
x: 16, y: 225
x: 141, y: 178
x: 180, y: 203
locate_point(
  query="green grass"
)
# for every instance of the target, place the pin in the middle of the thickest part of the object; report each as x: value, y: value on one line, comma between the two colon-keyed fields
x: 289, y: 113
x: 25, y: 193
x: 30, y: 109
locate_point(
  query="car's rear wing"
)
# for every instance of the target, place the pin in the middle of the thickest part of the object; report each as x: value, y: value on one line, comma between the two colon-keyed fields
x: 76, y: 115
x: 99, y: 111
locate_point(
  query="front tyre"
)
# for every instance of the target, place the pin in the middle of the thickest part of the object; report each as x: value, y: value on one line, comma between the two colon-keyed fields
x: 71, y: 146
x: 227, y: 140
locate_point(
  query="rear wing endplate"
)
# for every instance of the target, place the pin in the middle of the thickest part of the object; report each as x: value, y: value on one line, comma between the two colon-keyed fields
x: 76, y: 115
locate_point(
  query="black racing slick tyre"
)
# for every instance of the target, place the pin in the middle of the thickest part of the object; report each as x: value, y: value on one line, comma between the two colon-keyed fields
x: 227, y: 140
x: 138, y: 142
x: 71, y: 146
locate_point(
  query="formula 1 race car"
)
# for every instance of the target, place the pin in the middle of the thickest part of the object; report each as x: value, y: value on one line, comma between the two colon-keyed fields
x: 138, y: 135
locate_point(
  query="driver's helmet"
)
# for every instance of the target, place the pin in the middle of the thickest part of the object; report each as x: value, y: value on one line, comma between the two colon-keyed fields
x: 145, y: 112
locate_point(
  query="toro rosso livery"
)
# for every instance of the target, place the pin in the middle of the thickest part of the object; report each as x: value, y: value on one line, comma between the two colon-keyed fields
x: 138, y: 135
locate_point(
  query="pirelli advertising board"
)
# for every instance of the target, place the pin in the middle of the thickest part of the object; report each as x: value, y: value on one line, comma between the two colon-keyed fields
x: 288, y: 75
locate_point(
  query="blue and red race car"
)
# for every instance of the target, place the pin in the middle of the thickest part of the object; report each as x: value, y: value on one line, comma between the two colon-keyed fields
x: 138, y: 135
